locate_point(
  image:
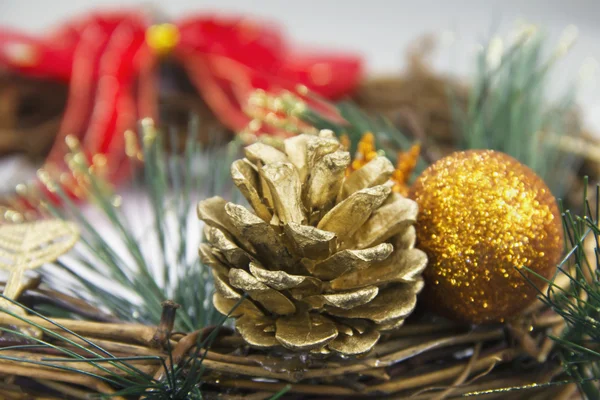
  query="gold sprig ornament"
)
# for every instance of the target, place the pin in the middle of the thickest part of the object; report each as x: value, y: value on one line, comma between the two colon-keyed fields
x: 326, y: 262
x: 29, y: 245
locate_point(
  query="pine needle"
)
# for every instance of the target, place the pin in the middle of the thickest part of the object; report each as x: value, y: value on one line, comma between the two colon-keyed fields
x: 508, y: 110
x: 147, y: 249
x: 579, y: 302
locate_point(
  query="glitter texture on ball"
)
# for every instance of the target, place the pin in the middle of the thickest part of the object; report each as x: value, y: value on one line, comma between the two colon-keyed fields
x: 482, y: 216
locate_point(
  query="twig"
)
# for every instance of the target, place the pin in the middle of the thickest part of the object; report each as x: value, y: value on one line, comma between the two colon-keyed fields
x: 441, y: 375
x: 165, y: 326
x: 66, y: 302
x: 548, y: 343
x: 183, y: 347
x: 525, y: 340
x: 117, y: 347
x: 425, y: 329
x: 65, y: 389
x: 115, y: 331
x: 403, y: 354
x: 566, y: 392
x: 53, y: 375
x: 146, y: 366
x: 323, y: 390
x: 462, y: 377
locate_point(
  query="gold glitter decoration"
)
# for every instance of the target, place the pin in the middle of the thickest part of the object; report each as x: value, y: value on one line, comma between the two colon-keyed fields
x: 276, y: 114
x: 366, y: 152
x: 407, y: 161
x: 326, y: 261
x: 482, y: 213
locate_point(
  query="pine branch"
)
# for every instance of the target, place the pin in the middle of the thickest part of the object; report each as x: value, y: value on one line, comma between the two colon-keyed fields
x: 147, y: 252
x: 579, y: 302
x: 508, y: 110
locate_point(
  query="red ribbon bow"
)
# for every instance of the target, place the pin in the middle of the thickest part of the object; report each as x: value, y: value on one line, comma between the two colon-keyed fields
x: 109, y: 60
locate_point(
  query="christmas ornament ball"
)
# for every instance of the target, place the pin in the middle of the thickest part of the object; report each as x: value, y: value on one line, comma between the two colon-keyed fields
x: 482, y: 216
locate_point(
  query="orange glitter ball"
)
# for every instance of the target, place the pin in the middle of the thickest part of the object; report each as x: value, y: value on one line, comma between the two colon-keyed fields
x: 482, y: 215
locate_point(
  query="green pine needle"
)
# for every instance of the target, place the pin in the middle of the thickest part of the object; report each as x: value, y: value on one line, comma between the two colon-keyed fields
x: 148, y: 249
x: 182, y: 382
x: 508, y: 111
x: 579, y: 302
x: 93, y: 355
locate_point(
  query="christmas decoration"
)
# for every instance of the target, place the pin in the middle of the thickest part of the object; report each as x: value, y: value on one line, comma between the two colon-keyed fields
x: 327, y: 262
x: 483, y: 214
x: 91, y: 352
x: 27, y: 246
x: 577, y: 301
x: 134, y: 316
x: 405, y: 165
x: 109, y: 61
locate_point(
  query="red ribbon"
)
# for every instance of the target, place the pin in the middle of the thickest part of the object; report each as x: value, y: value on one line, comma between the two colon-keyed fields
x: 109, y: 67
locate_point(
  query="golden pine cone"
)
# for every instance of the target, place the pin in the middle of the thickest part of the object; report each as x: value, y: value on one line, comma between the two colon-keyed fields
x: 326, y: 261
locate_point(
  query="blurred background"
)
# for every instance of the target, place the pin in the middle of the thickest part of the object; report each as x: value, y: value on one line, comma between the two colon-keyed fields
x: 379, y: 29
x: 382, y: 31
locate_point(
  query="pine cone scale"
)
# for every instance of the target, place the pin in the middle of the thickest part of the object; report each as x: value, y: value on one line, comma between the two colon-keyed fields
x: 245, y: 307
x: 268, y: 246
x: 284, y: 186
x: 378, y: 228
x: 349, y: 215
x: 402, y: 267
x: 350, y: 260
x: 281, y: 280
x: 345, y: 300
x: 355, y: 344
x: 272, y: 300
x: 391, y: 304
x: 246, y: 179
x: 375, y: 172
x: 257, y: 331
x: 305, y: 331
x: 326, y: 180
x: 309, y: 241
